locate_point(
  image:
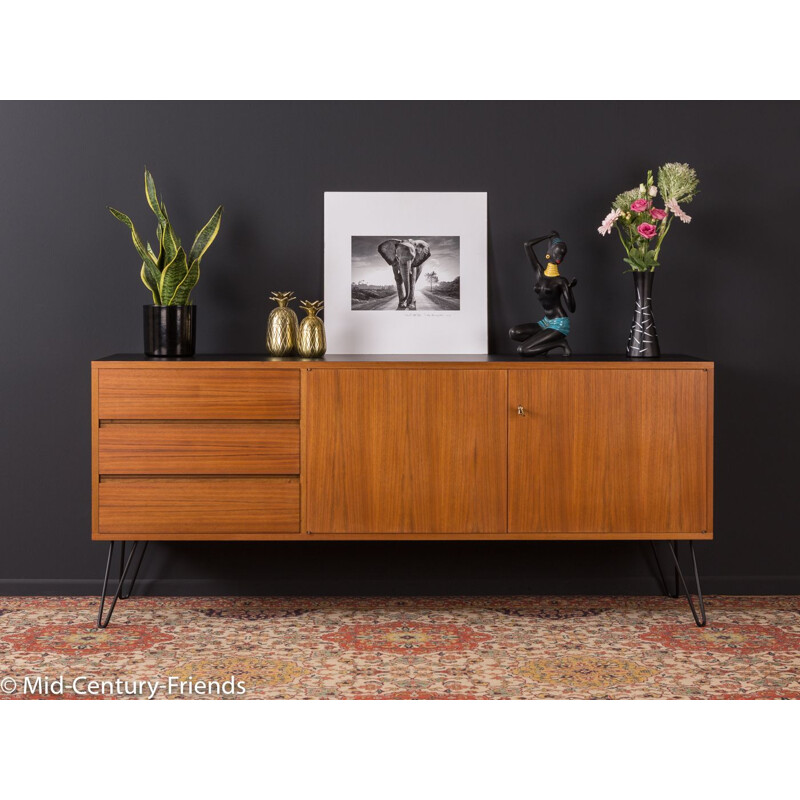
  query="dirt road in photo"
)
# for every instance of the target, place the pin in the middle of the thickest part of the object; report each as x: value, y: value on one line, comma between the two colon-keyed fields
x: 426, y: 301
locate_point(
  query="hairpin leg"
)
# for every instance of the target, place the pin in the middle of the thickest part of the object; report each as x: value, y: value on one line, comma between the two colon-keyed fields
x: 125, y: 596
x: 124, y: 567
x: 661, y: 578
x: 700, y: 619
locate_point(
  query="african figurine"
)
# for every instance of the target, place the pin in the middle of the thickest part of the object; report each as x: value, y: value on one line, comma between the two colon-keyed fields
x: 555, y: 295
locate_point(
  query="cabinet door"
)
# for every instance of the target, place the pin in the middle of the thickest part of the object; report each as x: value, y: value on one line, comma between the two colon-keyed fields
x: 406, y: 451
x: 616, y: 451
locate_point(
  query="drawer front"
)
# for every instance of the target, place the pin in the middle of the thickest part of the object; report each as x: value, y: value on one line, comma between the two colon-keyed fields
x: 201, y: 448
x: 176, y: 393
x: 152, y: 507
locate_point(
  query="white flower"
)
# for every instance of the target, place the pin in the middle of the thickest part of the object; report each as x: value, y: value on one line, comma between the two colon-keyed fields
x: 608, y: 222
x: 653, y: 191
x: 642, y: 189
x: 673, y: 206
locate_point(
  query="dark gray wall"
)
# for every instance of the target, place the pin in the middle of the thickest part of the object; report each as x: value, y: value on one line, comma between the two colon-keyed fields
x: 727, y: 291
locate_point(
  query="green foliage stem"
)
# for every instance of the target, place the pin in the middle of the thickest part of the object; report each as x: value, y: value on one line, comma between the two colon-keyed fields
x: 171, y: 275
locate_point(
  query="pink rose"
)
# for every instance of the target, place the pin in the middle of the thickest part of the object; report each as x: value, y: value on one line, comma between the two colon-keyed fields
x: 658, y: 213
x: 639, y: 205
x: 647, y: 230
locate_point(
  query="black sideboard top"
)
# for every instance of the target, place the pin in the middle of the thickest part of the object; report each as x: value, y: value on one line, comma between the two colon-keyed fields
x: 404, y: 359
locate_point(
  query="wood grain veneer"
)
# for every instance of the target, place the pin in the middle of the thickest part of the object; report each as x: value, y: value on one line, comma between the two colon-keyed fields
x: 205, y: 393
x: 406, y: 451
x: 95, y: 427
x: 146, y: 508
x: 609, y: 451
x: 199, y: 448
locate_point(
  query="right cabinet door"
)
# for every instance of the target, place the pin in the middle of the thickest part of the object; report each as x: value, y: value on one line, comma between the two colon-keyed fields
x: 609, y: 451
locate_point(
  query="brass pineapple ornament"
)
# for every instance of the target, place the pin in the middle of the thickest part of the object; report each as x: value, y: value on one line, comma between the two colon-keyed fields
x: 282, y: 326
x: 311, y: 341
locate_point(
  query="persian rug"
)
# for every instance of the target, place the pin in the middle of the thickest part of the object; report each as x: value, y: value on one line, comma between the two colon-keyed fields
x: 400, y: 648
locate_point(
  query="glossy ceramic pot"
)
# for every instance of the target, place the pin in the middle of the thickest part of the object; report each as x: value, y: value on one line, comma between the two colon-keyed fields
x: 169, y: 331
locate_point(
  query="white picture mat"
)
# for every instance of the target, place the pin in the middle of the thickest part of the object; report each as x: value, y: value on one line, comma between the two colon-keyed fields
x: 461, y: 214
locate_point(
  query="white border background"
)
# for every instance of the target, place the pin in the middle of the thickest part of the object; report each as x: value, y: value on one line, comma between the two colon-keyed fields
x: 685, y: 50
x: 461, y: 214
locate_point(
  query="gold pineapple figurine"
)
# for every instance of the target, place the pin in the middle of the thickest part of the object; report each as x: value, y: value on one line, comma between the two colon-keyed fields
x: 311, y: 339
x: 282, y: 326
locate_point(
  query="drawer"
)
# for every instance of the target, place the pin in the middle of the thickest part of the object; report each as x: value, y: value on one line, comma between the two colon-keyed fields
x: 198, y: 393
x: 153, y: 507
x: 199, y: 448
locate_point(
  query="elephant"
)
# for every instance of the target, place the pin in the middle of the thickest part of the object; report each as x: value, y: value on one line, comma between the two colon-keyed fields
x: 405, y: 257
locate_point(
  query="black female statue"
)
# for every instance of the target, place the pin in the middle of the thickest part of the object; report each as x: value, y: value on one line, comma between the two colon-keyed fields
x: 555, y: 295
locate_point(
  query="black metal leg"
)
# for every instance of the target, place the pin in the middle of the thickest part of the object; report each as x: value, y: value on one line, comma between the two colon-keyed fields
x: 125, y: 596
x: 700, y: 619
x: 124, y: 567
x: 661, y: 577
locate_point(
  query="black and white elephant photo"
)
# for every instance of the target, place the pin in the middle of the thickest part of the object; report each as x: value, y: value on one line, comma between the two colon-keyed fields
x: 405, y: 273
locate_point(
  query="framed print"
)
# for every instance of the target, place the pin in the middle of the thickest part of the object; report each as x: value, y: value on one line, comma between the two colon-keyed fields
x: 405, y: 272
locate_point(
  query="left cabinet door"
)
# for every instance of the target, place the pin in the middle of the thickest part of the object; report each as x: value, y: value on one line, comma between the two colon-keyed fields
x: 406, y: 451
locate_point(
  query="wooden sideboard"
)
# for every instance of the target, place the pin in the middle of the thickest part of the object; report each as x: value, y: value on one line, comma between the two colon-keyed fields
x: 392, y: 447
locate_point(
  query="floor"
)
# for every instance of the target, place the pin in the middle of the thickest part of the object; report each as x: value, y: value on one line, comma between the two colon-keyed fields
x: 402, y: 648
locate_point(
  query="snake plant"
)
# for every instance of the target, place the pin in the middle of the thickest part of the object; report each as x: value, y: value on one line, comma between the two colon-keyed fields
x: 172, y: 274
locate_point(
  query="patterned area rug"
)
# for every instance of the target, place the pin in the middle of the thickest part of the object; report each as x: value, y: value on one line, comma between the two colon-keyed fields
x: 400, y: 648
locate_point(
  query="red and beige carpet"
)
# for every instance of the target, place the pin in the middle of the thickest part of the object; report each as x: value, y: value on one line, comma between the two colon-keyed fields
x: 407, y: 648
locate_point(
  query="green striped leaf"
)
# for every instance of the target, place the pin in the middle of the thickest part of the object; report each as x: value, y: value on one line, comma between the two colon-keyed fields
x: 137, y: 242
x: 148, y: 280
x: 207, y: 235
x: 166, y: 217
x: 152, y: 199
x: 169, y: 244
x: 162, y: 256
x: 172, y: 277
x: 184, y: 290
x: 153, y: 275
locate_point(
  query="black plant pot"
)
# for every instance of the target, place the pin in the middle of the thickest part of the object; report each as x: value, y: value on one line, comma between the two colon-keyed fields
x: 643, y: 339
x: 169, y: 331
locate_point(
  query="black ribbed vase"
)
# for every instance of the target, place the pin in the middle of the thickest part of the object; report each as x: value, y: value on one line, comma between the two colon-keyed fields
x: 169, y: 331
x: 643, y: 339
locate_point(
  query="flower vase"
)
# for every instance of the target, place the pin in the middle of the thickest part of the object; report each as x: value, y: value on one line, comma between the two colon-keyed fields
x: 282, y: 326
x: 643, y: 339
x: 311, y: 341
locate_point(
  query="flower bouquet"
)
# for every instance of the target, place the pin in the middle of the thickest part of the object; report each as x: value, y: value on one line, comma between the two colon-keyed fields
x: 642, y: 228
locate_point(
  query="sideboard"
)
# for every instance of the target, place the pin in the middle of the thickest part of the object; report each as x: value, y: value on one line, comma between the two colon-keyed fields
x: 401, y: 448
